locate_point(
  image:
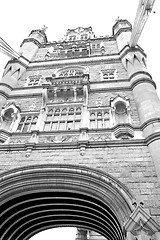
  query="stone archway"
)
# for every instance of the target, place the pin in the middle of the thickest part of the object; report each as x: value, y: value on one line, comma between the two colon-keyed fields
x: 36, y: 198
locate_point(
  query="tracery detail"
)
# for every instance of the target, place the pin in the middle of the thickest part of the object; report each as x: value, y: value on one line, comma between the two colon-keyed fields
x: 67, y: 118
x: 27, y: 123
x: 99, y: 118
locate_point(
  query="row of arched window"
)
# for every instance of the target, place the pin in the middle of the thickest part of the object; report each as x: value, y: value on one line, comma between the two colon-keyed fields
x: 63, y: 119
x: 69, y: 118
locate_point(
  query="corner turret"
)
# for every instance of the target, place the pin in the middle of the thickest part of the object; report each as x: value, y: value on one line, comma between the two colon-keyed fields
x: 122, y: 32
x: 31, y: 44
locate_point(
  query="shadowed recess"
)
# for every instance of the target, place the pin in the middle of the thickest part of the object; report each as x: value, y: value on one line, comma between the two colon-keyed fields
x: 40, y: 198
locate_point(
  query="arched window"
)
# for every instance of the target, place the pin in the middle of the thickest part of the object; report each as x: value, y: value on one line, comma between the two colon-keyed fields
x: 121, y: 112
x: 99, y: 119
x: 27, y: 123
x: 34, y: 80
x: 70, y: 72
x: 63, y: 119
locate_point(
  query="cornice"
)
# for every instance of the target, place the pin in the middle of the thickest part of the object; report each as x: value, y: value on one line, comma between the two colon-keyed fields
x: 140, y: 72
x: 127, y: 29
x: 150, y: 121
x: 89, y: 59
x: 89, y: 40
x: 127, y: 49
x: 153, y: 137
x: 111, y: 89
x: 122, y: 21
x: 37, y: 94
x: 23, y: 61
x: 6, y: 85
x: 3, y: 94
x: 73, y: 145
x: 31, y: 40
x: 142, y: 79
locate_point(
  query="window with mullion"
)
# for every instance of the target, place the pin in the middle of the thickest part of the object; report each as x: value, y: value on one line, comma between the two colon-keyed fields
x: 27, y: 123
x: 63, y: 119
x: 99, y: 119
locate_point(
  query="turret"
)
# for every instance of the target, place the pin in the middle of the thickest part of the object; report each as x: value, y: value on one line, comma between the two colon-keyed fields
x: 143, y: 87
x: 122, y: 32
x: 31, y: 44
x: 19, y: 62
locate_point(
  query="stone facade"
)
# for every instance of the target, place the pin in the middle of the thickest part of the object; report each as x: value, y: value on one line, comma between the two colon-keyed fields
x: 84, y: 110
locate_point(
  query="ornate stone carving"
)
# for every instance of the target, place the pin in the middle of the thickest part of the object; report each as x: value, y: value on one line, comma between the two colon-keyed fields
x: 71, y: 73
x: 32, y: 106
x: 58, y: 139
x: 10, y: 111
x: 141, y: 226
x: 98, y: 137
x: 120, y: 110
x: 19, y: 140
x: 124, y: 132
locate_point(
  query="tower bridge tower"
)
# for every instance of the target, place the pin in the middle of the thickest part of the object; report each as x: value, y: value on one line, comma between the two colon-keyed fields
x: 80, y: 138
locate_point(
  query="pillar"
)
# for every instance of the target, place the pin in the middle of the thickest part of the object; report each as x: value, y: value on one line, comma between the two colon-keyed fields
x: 143, y: 88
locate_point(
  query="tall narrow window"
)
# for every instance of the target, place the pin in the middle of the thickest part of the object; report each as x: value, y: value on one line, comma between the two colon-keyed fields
x: 63, y: 119
x: 121, y: 113
x: 99, y: 119
x: 109, y: 74
x: 27, y: 124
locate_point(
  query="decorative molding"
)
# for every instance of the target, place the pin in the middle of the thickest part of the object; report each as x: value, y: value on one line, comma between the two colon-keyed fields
x: 29, y: 147
x: 150, y: 121
x: 10, y: 111
x: 140, y: 225
x: 5, y: 85
x: 4, y: 135
x: 111, y: 57
x: 127, y: 50
x: 142, y: 80
x: 33, y: 40
x: 99, y: 137
x: 123, y: 132
x: 153, y: 137
x: 59, y: 138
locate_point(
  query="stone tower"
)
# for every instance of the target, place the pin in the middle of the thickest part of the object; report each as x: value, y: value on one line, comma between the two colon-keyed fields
x: 80, y: 138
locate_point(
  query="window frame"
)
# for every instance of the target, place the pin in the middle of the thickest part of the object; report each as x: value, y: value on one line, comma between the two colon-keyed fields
x: 26, y: 125
x: 99, y: 120
x: 68, y: 118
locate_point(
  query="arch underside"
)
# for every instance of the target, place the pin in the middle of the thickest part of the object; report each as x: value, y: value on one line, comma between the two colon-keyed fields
x: 42, y: 197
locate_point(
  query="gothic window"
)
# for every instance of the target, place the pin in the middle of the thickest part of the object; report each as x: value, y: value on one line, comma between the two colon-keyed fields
x: 121, y: 113
x: 34, y: 80
x: 95, y: 46
x: 27, y: 123
x: 63, y: 119
x: 72, y: 38
x: 108, y: 74
x: 71, y: 73
x: 99, y: 119
x: 84, y: 36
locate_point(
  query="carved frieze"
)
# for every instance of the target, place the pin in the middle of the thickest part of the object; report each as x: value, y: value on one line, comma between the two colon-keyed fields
x: 19, y: 140
x: 100, y: 137
x: 58, y: 139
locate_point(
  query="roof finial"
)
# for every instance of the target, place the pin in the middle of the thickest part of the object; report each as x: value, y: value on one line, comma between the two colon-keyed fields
x: 118, y: 18
x: 44, y: 28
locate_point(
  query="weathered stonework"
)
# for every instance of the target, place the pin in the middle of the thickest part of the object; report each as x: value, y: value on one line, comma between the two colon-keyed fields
x: 81, y: 127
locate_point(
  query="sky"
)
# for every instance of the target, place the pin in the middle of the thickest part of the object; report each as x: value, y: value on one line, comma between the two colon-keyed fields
x: 18, y: 18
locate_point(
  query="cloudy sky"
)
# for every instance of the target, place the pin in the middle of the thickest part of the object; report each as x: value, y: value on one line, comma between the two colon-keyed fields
x: 18, y: 18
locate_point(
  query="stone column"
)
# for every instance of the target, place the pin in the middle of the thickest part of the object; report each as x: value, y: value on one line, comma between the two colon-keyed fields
x: 146, y: 99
